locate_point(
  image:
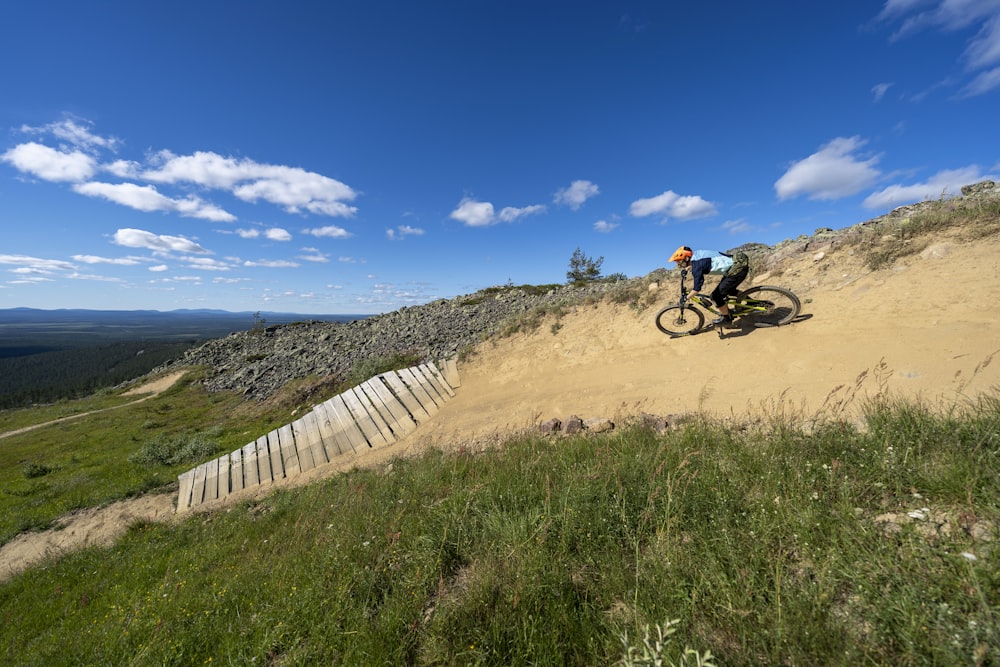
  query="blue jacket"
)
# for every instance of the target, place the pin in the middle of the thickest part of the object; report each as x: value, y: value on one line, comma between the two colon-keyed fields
x: 699, y: 268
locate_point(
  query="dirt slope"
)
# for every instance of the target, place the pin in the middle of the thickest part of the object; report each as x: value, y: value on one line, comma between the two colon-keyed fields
x: 917, y: 329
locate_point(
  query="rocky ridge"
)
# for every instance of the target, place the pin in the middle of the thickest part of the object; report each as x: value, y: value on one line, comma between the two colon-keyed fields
x: 257, y: 363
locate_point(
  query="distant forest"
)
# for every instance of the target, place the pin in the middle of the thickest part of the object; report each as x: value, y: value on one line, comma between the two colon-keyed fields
x: 50, y: 355
x: 40, y: 377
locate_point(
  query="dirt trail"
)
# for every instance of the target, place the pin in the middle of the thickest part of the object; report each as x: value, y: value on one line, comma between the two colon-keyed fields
x: 913, y: 330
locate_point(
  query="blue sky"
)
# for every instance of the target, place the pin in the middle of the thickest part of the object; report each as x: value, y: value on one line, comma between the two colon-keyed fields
x: 359, y: 156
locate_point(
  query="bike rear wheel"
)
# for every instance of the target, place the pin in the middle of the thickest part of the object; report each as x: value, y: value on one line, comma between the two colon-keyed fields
x: 680, y: 320
x: 768, y: 306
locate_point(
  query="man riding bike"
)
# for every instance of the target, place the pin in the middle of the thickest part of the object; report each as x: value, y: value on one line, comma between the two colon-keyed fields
x: 735, y: 274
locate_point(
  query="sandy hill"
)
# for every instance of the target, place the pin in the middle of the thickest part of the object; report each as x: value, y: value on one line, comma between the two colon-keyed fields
x: 924, y: 327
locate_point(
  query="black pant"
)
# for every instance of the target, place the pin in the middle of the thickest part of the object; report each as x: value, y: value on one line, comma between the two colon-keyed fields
x: 728, y: 285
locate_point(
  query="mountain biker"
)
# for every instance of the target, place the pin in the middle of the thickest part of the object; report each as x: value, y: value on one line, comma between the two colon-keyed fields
x: 735, y: 274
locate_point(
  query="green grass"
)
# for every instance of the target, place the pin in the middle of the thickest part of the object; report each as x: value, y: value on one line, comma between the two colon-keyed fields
x: 96, y: 459
x: 762, y: 543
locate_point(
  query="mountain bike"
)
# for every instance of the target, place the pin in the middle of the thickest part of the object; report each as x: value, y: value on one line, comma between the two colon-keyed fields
x: 761, y: 306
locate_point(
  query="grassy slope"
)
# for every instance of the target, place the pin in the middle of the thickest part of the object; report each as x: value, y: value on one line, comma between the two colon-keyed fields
x: 767, y: 544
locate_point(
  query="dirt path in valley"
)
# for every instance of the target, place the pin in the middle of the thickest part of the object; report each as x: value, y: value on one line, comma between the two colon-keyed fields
x: 913, y: 330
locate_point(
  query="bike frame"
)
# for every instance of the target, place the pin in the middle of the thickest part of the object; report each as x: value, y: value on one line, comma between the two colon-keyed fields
x: 736, y: 309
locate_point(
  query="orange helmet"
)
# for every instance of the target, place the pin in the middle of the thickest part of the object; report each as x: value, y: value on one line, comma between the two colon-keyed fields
x: 681, y: 254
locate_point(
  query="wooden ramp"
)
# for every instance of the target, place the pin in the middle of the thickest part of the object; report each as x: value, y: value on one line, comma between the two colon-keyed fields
x: 374, y: 414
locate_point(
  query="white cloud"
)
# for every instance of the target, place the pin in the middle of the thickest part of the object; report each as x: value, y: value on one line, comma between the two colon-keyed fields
x: 45, y: 265
x: 278, y: 234
x: 137, y: 238
x: 50, y: 164
x: 510, y: 213
x: 833, y: 172
x: 402, y: 231
x: 672, y: 205
x: 291, y: 187
x: 146, y: 198
x: 330, y: 231
x: 314, y: 255
x: 248, y: 233
x: 205, y: 264
x: 159, y: 268
x: 604, y: 226
x: 879, y: 90
x: 272, y: 263
x: 76, y: 133
x: 474, y: 213
x: 943, y: 184
x: 93, y: 259
x: 576, y: 194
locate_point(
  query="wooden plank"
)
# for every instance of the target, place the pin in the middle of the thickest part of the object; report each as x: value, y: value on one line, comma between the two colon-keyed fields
x: 334, y: 438
x: 395, y: 416
x: 405, y: 396
x: 236, y: 470
x: 433, y: 382
x: 450, y: 371
x: 225, y: 485
x: 354, y: 435
x: 394, y: 412
x: 417, y: 386
x: 184, y: 482
x: 274, y: 447
x: 376, y: 415
x: 212, y: 480
x: 264, y: 460
x: 289, y: 454
x: 302, y: 445
x: 432, y: 371
x: 198, y: 488
x: 315, y: 438
x: 364, y: 420
x: 251, y: 476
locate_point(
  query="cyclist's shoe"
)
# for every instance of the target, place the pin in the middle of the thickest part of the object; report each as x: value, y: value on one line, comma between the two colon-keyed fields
x: 723, y: 320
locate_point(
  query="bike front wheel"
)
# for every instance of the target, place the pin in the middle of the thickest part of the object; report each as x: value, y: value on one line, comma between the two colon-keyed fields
x: 680, y: 320
x: 768, y: 306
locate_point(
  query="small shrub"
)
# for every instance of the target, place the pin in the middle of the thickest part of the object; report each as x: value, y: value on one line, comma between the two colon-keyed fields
x: 169, y: 450
x: 31, y: 470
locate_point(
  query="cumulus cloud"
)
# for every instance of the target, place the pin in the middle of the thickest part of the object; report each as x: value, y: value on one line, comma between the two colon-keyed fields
x: 277, y: 234
x: 291, y: 187
x: 138, y: 238
x: 330, y: 231
x: 50, y: 164
x: 576, y: 194
x: 78, y: 158
x: 474, y: 213
x: 672, y: 205
x: 604, y: 226
x: 833, y: 172
x: 943, y: 184
x: 147, y: 198
x: 402, y: 231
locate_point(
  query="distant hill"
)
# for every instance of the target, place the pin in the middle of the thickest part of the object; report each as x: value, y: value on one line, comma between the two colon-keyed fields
x: 47, y: 355
x: 72, y: 327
